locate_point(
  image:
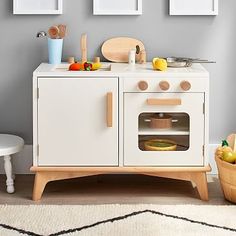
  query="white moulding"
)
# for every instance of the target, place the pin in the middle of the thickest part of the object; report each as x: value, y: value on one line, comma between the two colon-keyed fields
x: 37, y: 7
x: 194, y: 7
x: 121, y: 7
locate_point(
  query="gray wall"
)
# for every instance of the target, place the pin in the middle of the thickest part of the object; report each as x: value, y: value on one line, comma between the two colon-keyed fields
x: 163, y: 35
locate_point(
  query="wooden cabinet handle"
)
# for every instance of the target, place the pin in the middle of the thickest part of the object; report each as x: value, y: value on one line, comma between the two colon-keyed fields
x: 164, y: 101
x: 109, y: 109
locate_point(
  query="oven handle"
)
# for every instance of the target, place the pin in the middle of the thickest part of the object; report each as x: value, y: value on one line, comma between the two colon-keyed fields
x: 109, y: 109
x: 164, y: 101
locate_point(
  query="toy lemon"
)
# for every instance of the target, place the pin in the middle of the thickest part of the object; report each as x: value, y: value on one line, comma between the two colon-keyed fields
x: 159, y: 64
x: 96, y: 66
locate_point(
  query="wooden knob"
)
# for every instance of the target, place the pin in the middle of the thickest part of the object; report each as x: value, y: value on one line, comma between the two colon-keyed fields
x: 143, y: 85
x: 96, y: 60
x: 185, y: 85
x: 164, y: 85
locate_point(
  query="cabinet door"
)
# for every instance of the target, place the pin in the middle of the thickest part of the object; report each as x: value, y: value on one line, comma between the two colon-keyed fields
x: 77, y: 122
x: 181, y: 144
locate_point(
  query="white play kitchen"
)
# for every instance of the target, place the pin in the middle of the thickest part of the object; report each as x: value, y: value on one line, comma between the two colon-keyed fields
x: 120, y: 118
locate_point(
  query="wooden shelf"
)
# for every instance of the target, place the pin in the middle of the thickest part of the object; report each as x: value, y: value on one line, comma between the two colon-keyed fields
x: 176, y: 130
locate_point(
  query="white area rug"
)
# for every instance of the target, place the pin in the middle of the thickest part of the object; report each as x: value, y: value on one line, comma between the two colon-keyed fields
x: 117, y: 220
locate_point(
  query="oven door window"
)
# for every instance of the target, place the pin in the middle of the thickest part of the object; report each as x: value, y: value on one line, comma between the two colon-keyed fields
x: 158, y: 132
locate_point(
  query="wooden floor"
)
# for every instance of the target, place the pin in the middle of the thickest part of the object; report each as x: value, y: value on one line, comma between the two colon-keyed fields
x: 112, y: 189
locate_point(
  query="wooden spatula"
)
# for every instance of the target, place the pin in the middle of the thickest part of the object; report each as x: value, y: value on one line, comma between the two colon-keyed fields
x: 62, y: 31
x: 53, y: 32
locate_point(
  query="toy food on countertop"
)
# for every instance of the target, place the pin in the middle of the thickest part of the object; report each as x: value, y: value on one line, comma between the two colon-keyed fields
x: 96, y: 66
x: 87, y: 66
x: 96, y: 63
x: 226, y: 153
x: 76, y: 66
x: 159, y: 64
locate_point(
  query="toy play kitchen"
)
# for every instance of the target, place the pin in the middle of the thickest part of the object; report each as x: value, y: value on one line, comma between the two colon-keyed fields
x: 120, y: 118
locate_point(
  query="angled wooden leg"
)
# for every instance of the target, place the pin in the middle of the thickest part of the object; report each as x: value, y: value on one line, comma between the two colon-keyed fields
x: 40, y: 182
x: 43, y: 177
x: 200, y: 179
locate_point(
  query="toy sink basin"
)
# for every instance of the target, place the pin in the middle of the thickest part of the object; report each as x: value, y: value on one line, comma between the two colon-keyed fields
x: 65, y: 68
x: 160, y: 145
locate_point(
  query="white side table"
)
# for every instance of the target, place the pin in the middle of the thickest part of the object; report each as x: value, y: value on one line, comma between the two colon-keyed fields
x: 10, y: 144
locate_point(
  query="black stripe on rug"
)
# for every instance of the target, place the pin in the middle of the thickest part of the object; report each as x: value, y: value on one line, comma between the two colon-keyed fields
x: 120, y: 218
x: 21, y: 231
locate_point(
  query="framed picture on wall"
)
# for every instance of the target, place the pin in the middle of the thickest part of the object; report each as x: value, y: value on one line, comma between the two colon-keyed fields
x: 194, y: 7
x: 32, y: 7
x: 118, y: 7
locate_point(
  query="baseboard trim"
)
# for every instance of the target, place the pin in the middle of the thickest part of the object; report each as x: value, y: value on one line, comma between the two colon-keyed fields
x: 212, y: 148
x: 23, y: 160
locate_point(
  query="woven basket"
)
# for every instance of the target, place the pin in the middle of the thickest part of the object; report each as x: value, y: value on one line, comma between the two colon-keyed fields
x: 227, y: 176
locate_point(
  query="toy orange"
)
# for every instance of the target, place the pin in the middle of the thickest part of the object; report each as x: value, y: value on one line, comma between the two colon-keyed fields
x: 76, y: 66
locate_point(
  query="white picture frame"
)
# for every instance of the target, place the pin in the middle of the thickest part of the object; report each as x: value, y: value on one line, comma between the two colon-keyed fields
x: 193, y: 7
x: 118, y: 7
x: 35, y: 7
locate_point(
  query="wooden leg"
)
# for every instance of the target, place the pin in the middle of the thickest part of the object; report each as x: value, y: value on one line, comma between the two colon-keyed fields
x: 40, y: 182
x: 42, y: 178
x: 8, y: 170
x: 47, y: 174
x: 200, y: 179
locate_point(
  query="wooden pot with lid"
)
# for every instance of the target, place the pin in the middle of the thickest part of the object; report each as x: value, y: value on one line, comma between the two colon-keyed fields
x: 161, y: 121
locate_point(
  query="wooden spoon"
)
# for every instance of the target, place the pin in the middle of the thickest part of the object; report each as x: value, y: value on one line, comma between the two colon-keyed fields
x: 232, y: 141
x: 53, y: 32
x: 62, y: 31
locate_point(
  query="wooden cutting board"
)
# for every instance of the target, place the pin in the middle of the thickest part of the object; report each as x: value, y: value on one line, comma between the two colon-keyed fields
x: 117, y: 49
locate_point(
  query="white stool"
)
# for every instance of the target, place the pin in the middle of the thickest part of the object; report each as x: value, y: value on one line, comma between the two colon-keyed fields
x: 10, y: 144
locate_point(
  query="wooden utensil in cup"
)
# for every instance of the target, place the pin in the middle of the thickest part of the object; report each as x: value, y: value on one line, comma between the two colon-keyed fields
x: 53, y: 32
x: 62, y: 31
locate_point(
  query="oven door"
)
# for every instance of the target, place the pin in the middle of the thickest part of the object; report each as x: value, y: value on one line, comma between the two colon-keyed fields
x: 164, y: 129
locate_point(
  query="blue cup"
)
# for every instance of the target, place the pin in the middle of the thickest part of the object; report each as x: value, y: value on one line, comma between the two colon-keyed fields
x: 55, y: 50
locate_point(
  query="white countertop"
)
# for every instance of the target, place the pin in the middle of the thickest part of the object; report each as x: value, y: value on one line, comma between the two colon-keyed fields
x: 120, y: 70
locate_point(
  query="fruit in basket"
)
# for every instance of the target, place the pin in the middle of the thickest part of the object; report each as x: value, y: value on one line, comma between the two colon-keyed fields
x: 226, y: 153
x: 76, y: 66
x: 229, y: 156
x: 223, y: 148
x: 159, y: 64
